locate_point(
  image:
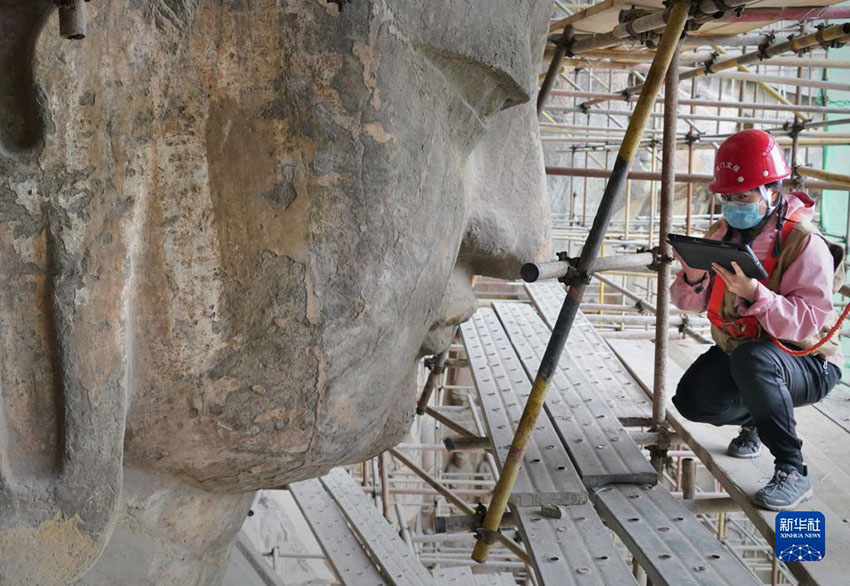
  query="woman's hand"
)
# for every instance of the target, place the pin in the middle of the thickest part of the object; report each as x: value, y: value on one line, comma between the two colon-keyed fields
x: 693, y: 276
x: 738, y: 283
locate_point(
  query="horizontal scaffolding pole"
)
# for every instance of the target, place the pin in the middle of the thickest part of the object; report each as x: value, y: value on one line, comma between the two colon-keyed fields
x: 656, y: 176
x: 532, y: 272
x: 707, y: 117
x: 798, y: 13
x: 641, y: 66
x: 639, y: 334
x: 709, y: 103
x: 648, y: 306
x: 591, y: 144
x: 603, y: 58
x: 636, y: 175
x: 620, y: 307
x: 837, y: 178
x: 676, y: 321
x: 837, y: 32
x: 757, y: 77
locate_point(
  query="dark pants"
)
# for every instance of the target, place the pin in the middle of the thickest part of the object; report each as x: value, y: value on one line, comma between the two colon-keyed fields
x: 759, y: 385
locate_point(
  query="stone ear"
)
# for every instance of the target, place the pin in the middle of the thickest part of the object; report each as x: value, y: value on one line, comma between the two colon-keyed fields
x: 21, y: 124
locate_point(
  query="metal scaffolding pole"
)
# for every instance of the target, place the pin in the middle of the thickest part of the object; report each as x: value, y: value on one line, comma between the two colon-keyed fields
x: 838, y: 183
x: 662, y: 323
x: 462, y: 506
x: 837, y: 32
x: 708, y: 103
x: 613, y: 192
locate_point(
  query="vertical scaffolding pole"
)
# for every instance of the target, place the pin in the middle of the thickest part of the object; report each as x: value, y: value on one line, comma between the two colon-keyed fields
x: 689, y: 479
x: 662, y: 321
x: 692, y: 138
x: 488, y: 533
x: 385, y: 485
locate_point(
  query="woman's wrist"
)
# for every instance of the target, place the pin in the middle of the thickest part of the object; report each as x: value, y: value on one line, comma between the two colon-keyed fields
x: 693, y: 277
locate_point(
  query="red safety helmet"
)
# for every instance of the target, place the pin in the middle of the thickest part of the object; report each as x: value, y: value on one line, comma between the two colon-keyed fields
x: 746, y: 160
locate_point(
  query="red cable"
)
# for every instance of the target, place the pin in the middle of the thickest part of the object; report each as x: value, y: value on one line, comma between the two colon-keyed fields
x: 817, y: 346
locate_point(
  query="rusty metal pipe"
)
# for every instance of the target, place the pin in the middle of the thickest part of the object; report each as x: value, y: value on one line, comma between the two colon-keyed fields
x: 437, y: 370
x: 457, y: 428
x: 461, y: 444
x: 688, y: 478
x: 462, y: 506
x: 662, y: 323
x: 72, y: 19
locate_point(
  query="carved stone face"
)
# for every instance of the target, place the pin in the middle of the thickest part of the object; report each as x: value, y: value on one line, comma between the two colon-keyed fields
x: 240, y: 223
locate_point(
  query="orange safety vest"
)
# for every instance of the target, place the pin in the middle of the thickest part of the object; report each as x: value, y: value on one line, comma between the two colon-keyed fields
x: 747, y: 326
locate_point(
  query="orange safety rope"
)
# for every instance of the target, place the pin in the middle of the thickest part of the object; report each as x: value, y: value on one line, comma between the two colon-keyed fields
x: 820, y: 344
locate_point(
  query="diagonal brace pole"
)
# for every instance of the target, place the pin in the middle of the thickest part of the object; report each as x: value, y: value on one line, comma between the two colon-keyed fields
x: 613, y: 192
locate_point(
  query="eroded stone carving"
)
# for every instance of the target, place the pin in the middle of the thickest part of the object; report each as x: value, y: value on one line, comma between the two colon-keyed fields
x: 227, y: 231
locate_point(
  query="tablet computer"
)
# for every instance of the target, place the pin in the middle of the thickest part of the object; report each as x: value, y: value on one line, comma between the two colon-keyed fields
x: 699, y: 253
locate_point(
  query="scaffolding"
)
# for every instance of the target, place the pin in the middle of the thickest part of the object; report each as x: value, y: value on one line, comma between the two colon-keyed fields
x: 626, y: 165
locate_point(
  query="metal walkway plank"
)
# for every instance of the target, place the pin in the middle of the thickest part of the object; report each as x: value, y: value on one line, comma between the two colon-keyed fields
x: 547, y: 475
x: 343, y: 550
x: 398, y: 563
x: 599, y: 445
x: 824, y: 450
x: 671, y: 544
x: 463, y: 576
x: 619, y: 391
x: 574, y: 550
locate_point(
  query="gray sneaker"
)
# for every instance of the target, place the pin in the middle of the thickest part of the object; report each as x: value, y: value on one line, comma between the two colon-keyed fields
x: 746, y: 445
x: 787, y: 489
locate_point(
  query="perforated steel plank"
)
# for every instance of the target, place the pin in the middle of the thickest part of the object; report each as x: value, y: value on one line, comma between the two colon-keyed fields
x: 585, y: 345
x: 670, y: 543
x: 599, y: 445
x: 463, y: 576
x: 547, y: 475
x: 453, y: 576
x: 398, y: 564
x: 574, y: 550
x: 341, y: 547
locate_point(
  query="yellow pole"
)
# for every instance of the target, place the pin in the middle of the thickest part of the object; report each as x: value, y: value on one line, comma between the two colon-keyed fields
x: 823, y: 175
x: 488, y: 534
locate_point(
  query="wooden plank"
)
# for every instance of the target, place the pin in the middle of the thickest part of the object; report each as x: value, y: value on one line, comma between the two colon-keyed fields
x: 616, y: 387
x: 547, y: 476
x: 825, y: 448
x: 599, y: 446
x: 575, y: 549
x: 836, y: 406
x: 341, y: 547
x: 398, y: 564
x: 671, y: 544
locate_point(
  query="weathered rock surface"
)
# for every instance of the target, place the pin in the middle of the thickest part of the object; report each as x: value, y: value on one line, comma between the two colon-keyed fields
x: 227, y: 231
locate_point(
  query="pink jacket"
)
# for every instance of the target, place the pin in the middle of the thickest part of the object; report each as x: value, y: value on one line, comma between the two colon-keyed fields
x: 805, y: 299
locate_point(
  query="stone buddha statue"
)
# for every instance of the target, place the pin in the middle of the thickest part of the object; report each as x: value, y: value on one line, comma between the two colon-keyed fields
x: 228, y: 231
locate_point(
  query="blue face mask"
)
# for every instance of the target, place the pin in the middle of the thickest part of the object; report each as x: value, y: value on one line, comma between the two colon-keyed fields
x: 742, y: 216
